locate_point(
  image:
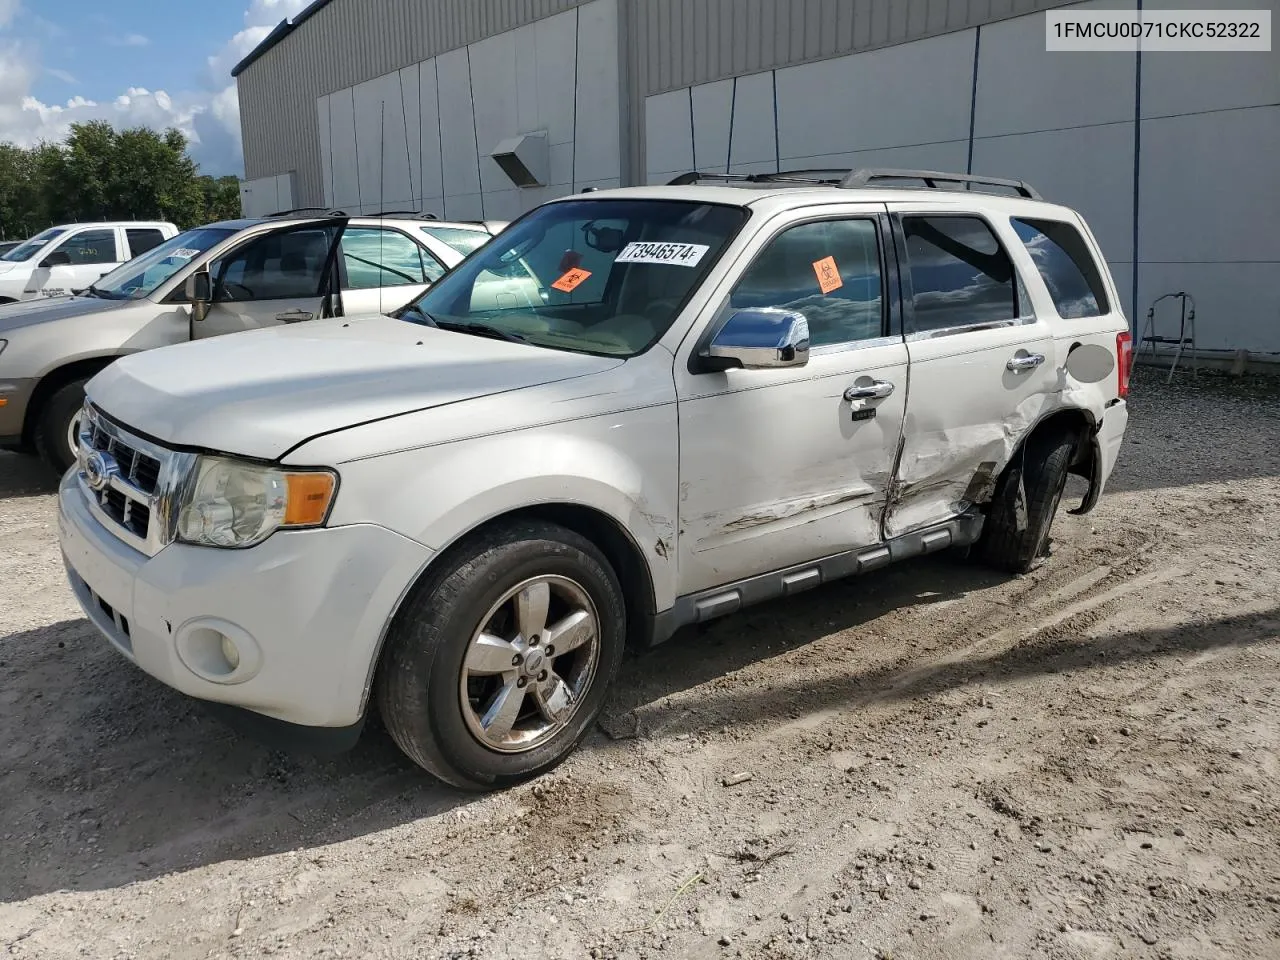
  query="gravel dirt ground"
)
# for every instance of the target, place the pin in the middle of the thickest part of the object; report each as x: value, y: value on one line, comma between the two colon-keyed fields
x: 930, y: 762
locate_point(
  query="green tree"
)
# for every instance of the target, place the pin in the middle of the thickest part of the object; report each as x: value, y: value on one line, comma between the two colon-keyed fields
x: 221, y: 198
x: 100, y: 173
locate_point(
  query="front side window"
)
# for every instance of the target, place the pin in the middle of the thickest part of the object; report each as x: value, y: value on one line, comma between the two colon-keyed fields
x: 596, y: 276
x: 140, y: 277
x: 285, y: 265
x: 88, y: 247
x: 960, y: 275
x: 375, y: 258
x: 1066, y: 265
x: 829, y: 271
x: 464, y: 241
x: 29, y: 248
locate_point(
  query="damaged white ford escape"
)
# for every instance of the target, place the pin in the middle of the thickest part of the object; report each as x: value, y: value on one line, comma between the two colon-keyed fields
x: 727, y: 389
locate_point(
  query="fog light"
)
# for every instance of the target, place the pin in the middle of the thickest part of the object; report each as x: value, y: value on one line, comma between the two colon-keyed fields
x: 230, y: 652
x: 217, y: 651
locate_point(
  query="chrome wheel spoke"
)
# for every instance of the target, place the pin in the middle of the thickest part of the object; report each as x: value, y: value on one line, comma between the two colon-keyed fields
x: 516, y: 690
x: 490, y: 654
x: 554, y: 698
x: 531, y: 609
x: 503, y: 711
x: 571, y: 632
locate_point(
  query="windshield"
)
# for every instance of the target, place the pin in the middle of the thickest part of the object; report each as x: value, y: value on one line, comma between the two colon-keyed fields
x: 28, y: 249
x: 596, y: 276
x: 141, y: 275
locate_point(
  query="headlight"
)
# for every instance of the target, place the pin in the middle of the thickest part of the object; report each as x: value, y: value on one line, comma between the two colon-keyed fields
x: 234, y: 504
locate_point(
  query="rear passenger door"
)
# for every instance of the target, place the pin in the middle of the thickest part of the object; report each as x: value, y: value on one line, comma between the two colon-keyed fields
x: 383, y: 269
x: 983, y: 365
x: 278, y: 277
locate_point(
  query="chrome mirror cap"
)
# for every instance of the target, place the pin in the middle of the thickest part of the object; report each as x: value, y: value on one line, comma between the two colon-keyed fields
x: 760, y: 338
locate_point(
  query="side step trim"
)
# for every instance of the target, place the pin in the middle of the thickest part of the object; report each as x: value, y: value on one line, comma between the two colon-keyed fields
x: 730, y: 598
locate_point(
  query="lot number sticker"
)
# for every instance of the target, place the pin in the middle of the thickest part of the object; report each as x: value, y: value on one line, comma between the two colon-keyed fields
x: 678, y: 254
x: 571, y: 279
x: 828, y: 274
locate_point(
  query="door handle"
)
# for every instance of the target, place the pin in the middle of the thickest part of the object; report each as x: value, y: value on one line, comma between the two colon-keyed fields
x: 876, y: 390
x: 294, y: 316
x: 1028, y: 362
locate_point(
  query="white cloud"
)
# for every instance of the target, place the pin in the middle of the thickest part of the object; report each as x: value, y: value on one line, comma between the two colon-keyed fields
x: 209, y: 115
x: 129, y: 40
x: 62, y: 75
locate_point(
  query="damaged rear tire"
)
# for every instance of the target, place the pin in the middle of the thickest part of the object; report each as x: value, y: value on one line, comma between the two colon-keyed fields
x: 1015, y: 536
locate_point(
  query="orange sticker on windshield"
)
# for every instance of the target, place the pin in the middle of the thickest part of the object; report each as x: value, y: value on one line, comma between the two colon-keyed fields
x: 570, y: 280
x: 828, y: 274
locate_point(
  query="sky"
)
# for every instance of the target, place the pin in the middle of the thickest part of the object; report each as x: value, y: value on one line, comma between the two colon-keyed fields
x: 133, y: 62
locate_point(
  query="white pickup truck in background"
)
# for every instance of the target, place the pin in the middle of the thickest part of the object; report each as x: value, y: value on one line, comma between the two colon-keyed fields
x: 60, y: 260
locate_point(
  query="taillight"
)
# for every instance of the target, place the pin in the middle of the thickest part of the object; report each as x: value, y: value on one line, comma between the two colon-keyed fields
x: 1124, y: 362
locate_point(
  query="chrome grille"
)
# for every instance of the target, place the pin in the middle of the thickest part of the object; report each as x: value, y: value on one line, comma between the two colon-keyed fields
x: 129, y: 482
x: 140, y: 469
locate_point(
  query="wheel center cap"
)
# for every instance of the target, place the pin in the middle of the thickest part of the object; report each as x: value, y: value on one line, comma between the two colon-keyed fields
x: 534, y: 660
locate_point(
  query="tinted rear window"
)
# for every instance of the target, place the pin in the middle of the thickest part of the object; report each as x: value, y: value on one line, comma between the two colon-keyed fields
x: 1067, y: 266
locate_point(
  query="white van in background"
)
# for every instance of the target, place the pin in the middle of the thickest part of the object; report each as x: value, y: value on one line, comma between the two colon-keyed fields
x: 62, y: 259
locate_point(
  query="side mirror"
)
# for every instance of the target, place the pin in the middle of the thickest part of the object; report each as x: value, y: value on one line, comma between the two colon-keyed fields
x: 759, y: 338
x: 199, y: 290
x: 59, y: 258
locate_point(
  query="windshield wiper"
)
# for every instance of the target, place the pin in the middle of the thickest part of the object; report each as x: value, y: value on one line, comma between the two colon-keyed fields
x: 93, y: 291
x: 404, y: 313
x: 481, y: 330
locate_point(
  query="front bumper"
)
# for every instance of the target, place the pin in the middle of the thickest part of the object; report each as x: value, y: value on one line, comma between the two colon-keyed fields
x: 14, y: 397
x: 306, y: 610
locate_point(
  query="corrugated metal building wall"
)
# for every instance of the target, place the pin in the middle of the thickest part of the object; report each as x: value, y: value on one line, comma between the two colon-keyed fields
x: 665, y: 45
x: 344, y: 43
x: 680, y: 43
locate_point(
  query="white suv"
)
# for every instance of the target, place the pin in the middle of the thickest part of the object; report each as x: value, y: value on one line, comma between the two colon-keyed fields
x: 723, y: 393
x: 62, y: 260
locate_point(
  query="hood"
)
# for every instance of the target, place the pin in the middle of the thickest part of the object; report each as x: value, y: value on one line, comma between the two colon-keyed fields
x: 7, y: 265
x: 260, y: 393
x: 14, y: 316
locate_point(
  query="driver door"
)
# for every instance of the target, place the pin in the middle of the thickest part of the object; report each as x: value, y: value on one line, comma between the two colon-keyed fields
x: 76, y: 262
x: 274, y: 278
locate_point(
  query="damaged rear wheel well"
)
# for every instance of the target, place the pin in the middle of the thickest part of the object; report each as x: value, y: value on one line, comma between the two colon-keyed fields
x: 1075, y: 423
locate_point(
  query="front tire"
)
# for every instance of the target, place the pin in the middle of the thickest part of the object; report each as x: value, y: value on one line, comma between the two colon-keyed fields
x: 500, y: 661
x: 1041, y: 471
x: 57, y: 424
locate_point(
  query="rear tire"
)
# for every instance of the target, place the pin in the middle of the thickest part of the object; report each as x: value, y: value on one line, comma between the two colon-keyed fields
x: 1042, y: 469
x: 55, y: 424
x: 442, y: 690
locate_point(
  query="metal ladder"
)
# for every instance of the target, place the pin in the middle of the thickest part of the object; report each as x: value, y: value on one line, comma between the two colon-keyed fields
x: 1186, y: 333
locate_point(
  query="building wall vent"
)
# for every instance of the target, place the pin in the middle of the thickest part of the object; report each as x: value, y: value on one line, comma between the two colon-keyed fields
x: 524, y: 159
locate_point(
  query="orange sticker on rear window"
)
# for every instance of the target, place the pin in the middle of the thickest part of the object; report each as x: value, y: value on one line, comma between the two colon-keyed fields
x: 570, y: 280
x: 828, y: 274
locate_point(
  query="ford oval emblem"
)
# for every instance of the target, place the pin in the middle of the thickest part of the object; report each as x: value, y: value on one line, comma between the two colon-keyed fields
x: 98, y: 470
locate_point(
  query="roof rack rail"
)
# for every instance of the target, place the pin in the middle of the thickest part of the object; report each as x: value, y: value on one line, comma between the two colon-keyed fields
x: 402, y: 213
x: 321, y: 211
x: 932, y: 178
x: 854, y: 179
x: 820, y: 176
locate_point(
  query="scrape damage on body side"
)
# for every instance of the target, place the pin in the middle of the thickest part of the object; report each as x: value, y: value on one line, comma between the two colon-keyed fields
x: 946, y: 471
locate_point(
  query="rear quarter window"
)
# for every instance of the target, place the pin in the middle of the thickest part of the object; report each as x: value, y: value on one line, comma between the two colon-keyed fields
x: 1066, y: 265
